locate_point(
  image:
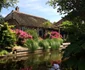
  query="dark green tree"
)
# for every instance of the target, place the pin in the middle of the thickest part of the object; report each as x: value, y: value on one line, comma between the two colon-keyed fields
x: 73, y: 8
x: 74, y: 54
x: 1, y: 19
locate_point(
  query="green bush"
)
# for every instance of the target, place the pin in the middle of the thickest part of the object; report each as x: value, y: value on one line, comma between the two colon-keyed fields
x: 3, y: 52
x: 7, y: 36
x: 54, y: 43
x: 33, y: 33
x: 44, y: 44
x: 60, y: 40
x: 32, y: 45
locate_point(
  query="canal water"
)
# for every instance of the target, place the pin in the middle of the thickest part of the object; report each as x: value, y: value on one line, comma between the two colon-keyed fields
x: 42, y: 61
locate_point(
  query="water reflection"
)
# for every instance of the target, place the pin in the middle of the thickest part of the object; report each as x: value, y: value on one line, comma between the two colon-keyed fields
x: 31, y: 62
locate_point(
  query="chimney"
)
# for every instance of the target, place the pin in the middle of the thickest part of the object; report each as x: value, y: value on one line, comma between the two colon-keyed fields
x: 17, y: 9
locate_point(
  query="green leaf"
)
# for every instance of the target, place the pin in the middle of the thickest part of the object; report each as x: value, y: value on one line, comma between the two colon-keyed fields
x: 81, y: 63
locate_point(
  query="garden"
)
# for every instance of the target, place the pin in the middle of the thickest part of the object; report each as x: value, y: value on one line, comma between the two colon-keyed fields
x: 10, y: 38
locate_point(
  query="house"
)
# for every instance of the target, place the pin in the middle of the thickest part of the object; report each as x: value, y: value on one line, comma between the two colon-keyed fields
x: 60, y: 28
x: 57, y: 24
x: 24, y: 21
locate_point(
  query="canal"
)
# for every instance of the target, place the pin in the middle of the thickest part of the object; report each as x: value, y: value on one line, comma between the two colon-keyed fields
x: 41, y: 61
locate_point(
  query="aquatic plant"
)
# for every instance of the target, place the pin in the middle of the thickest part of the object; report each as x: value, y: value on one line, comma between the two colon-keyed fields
x: 44, y: 44
x: 54, y: 43
x: 32, y: 45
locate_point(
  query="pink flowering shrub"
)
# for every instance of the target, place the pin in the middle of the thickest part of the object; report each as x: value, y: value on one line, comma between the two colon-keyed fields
x: 55, y: 34
x: 22, y: 36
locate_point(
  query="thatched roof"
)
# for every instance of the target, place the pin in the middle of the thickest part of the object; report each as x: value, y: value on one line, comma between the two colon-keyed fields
x: 21, y: 19
x: 58, y: 24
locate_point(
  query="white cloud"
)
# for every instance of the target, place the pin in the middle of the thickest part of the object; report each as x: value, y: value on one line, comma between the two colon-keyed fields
x: 38, y: 6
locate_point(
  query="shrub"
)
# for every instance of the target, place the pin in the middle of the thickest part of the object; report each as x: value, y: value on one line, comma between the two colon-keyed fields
x: 7, y: 37
x: 44, y: 44
x: 55, y: 34
x: 60, y: 40
x: 22, y: 36
x: 54, y: 43
x: 74, y: 56
x: 32, y: 45
x: 33, y: 33
x: 47, y: 35
x: 3, y: 52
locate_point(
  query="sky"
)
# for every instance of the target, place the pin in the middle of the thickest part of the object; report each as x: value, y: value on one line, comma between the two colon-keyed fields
x: 35, y: 7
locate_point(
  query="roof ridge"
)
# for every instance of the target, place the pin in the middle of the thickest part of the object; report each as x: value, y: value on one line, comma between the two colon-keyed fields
x: 29, y: 15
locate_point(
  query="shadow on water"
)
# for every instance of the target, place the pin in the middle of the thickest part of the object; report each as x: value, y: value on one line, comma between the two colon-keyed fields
x: 31, y: 62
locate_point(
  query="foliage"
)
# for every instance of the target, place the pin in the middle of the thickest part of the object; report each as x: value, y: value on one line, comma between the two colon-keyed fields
x: 7, y: 37
x: 33, y: 33
x: 32, y: 45
x: 54, y: 43
x: 44, y: 44
x: 47, y: 24
x: 22, y: 36
x: 1, y: 19
x: 3, y: 52
x: 66, y: 25
x: 7, y: 3
x: 75, y: 30
x: 60, y: 40
x: 75, y: 53
x: 55, y: 34
x: 47, y: 35
x: 72, y: 8
x: 67, y: 5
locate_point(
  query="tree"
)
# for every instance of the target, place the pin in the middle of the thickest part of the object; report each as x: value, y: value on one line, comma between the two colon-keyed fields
x: 1, y: 19
x: 7, y: 3
x: 73, y: 8
x: 74, y: 54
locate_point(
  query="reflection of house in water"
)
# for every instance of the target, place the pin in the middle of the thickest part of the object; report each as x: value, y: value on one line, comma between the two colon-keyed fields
x: 24, y: 21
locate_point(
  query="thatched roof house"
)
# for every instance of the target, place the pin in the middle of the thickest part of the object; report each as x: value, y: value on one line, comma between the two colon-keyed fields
x: 23, y: 21
x: 20, y: 19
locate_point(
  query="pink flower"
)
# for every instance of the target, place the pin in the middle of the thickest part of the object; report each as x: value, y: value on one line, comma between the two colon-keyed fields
x: 22, y: 34
x: 55, y: 34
